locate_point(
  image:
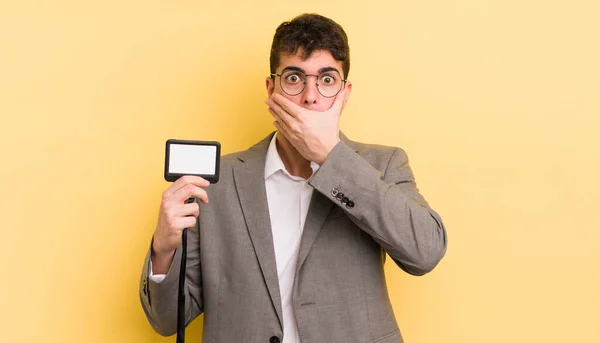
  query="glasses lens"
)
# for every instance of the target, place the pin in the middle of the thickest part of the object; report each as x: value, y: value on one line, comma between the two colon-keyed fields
x: 292, y: 82
x: 330, y: 83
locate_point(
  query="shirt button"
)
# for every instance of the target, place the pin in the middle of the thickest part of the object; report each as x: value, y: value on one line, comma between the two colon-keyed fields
x: 340, y: 196
x: 345, y: 200
x: 334, y: 192
x: 350, y: 204
x: 274, y: 339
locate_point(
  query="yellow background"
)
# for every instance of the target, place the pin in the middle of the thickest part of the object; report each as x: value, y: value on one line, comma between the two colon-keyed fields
x: 496, y: 102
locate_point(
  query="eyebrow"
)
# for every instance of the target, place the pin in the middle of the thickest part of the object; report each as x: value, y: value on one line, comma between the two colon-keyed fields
x: 322, y: 70
x: 293, y: 68
x: 326, y: 69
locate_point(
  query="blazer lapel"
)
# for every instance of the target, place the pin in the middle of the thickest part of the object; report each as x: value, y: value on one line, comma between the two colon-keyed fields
x: 319, y: 208
x: 249, y: 179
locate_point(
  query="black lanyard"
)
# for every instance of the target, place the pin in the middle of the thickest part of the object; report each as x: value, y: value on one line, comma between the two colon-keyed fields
x: 181, y: 291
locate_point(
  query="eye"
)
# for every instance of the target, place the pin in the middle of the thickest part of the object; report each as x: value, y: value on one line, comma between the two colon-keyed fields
x: 293, y: 78
x: 328, y: 79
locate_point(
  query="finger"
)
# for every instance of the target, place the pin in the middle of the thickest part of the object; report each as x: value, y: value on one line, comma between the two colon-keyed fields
x: 281, y: 130
x: 188, y: 191
x: 284, y: 119
x: 192, y: 209
x: 274, y: 105
x: 183, y: 223
x: 339, y: 102
x: 286, y: 104
x: 288, y: 118
x: 184, y: 180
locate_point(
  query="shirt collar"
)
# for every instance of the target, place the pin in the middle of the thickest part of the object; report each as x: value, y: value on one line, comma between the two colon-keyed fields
x: 274, y: 163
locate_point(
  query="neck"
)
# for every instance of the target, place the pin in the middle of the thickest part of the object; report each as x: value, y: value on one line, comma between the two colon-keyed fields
x: 293, y: 161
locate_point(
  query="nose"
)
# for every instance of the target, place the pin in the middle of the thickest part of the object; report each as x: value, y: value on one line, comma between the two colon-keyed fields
x: 310, y: 95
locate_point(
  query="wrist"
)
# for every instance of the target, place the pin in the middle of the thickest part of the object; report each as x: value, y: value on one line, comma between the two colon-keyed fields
x: 161, y: 261
x: 158, y: 252
x: 328, y: 151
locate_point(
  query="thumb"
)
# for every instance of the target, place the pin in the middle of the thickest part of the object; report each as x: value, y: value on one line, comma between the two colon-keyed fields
x: 340, y: 102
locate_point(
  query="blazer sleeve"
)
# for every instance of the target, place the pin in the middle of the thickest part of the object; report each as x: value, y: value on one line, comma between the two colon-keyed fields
x: 385, y: 204
x: 159, y: 299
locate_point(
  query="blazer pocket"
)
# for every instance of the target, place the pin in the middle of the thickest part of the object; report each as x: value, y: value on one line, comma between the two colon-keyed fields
x: 393, y: 337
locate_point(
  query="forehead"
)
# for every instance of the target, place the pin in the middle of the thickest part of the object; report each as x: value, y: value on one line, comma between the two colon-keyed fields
x: 318, y: 60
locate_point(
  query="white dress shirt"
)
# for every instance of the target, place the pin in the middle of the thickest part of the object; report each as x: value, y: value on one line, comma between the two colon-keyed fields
x: 288, y: 198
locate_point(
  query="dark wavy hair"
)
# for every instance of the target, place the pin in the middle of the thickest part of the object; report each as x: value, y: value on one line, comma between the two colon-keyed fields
x: 311, y: 32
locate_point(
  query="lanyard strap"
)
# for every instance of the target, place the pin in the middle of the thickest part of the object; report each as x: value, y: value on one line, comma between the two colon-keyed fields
x: 181, y: 291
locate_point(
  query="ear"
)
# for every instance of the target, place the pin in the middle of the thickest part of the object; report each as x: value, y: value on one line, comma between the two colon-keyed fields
x: 270, y: 83
x: 349, y: 90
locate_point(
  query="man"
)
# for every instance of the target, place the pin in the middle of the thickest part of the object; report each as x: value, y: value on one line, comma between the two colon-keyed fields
x: 289, y: 246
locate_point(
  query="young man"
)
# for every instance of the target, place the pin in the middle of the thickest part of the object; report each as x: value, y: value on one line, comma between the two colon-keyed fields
x: 291, y: 246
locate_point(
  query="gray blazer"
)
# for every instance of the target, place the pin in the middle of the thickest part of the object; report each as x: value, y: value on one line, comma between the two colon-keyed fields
x: 365, y: 204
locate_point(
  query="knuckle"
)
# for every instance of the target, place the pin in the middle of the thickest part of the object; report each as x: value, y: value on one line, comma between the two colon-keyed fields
x: 170, y: 223
x: 190, y: 187
x: 171, y: 220
x: 164, y: 205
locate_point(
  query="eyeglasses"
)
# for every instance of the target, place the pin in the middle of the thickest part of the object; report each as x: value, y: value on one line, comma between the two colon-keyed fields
x: 293, y: 82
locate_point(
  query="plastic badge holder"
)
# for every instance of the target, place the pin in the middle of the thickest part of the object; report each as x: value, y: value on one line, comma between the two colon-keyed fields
x: 186, y: 157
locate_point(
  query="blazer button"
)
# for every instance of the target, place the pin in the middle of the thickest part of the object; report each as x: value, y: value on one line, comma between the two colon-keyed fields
x: 345, y: 200
x: 340, y: 196
x: 334, y: 192
x: 350, y: 204
x: 274, y: 339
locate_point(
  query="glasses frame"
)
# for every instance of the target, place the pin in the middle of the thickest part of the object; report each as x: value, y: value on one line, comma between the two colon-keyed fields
x: 273, y: 75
